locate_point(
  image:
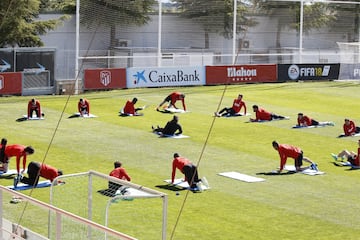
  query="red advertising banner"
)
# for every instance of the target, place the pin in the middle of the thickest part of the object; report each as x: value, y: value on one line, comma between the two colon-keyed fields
x: 107, y: 78
x: 240, y: 74
x: 10, y: 83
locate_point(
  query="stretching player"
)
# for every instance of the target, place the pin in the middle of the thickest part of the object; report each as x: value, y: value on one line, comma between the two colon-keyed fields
x: 305, y: 121
x: 238, y: 103
x: 351, y: 156
x: 130, y: 109
x: 187, y: 168
x: 84, y: 107
x: 120, y: 173
x: 296, y: 153
x: 34, y: 105
x: 263, y: 115
x: 171, y: 128
x: 172, y: 99
x: 18, y: 151
x: 35, y: 171
x: 350, y: 128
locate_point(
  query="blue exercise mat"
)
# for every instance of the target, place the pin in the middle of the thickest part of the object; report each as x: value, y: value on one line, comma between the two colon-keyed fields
x: 23, y: 186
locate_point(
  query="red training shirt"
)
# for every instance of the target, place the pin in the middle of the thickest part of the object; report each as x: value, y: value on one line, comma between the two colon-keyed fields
x: 178, y: 163
x: 48, y: 172
x: 32, y: 106
x: 262, y: 114
x: 175, y: 96
x: 349, y: 129
x: 17, y: 151
x: 120, y: 173
x: 85, y: 104
x: 238, y: 104
x: 129, y: 108
x: 305, y: 121
x: 286, y: 151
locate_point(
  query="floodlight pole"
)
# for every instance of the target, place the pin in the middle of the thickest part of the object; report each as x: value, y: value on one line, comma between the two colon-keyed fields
x: 159, y: 34
x: 77, y: 47
x: 234, y: 32
x: 301, y: 30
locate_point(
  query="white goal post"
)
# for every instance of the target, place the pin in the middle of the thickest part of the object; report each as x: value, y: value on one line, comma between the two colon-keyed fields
x: 88, y: 195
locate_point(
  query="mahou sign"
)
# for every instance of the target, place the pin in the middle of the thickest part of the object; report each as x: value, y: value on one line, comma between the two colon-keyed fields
x: 240, y: 74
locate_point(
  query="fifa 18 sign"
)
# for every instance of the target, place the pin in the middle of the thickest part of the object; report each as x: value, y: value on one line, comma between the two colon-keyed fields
x: 105, y: 77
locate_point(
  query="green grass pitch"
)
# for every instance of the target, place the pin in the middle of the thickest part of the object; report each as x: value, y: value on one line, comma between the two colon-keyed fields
x: 293, y: 206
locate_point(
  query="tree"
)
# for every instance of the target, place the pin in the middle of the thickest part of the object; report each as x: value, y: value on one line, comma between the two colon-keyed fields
x: 63, y: 6
x: 96, y: 13
x: 316, y: 15
x: 348, y: 15
x: 217, y: 16
x: 19, y: 25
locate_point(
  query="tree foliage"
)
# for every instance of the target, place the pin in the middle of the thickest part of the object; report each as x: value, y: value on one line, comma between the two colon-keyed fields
x: 109, y: 13
x: 315, y: 15
x: 63, y: 6
x: 217, y: 16
x: 19, y: 25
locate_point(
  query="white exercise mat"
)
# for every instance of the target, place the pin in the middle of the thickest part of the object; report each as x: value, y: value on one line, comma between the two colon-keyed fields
x: 308, y: 171
x: 174, y: 110
x: 343, y: 135
x: 237, y: 115
x: 171, y: 136
x: 184, y: 184
x: 241, y: 177
x: 33, y: 118
x: 132, y: 192
x: 10, y: 172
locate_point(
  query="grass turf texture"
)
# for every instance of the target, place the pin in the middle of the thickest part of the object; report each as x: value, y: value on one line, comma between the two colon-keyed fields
x: 283, y: 207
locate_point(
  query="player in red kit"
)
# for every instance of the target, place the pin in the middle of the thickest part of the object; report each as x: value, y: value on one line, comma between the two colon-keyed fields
x: 288, y: 151
x: 36, y: 170
x: 130, y: 110
x: 238, y: 103
x: 305, y: 121
x: 34, y: 105
x: 18, y: 151
x: 187, y: 168
x: 120, y: 173
x: 350, y: 128
x: 84, y: 107
x: 172, y: 99
x: 263, y: 115
x: 351, y: 157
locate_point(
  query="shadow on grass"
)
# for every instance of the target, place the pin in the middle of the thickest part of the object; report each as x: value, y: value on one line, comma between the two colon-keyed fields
x: 275, y: 173
x: 22, y: 119
x: 8, y: 176
x: 171, y: 187
x: 352, y: 168
x: 74, y: 116
x: 107, y: 192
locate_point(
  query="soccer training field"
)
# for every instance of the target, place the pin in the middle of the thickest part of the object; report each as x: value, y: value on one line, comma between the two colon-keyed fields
x: 289, y: 206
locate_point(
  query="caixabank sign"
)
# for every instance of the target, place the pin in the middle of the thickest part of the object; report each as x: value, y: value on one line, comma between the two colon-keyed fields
x: 303, y: 72
x: 165, y: 77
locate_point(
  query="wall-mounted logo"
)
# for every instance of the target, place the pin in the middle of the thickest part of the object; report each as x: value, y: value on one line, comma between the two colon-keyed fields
x: 356, y: 72
x: 38, y: 70
x: 293, y: 72
x: 105, y: 77
x: 5, y: 66
x: 139, y: 76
